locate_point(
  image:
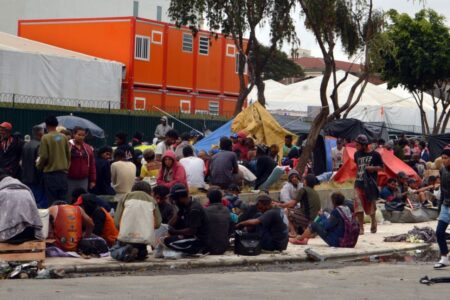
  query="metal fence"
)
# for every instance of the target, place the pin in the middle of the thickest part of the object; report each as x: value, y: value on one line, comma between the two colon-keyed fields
x: 24, y: 117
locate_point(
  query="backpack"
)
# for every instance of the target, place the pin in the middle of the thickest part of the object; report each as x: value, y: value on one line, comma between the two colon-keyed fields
x: 351, y: 231
x: 247, y: 243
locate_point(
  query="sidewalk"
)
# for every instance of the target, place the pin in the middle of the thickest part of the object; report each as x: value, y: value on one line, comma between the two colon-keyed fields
x: 368, y: 244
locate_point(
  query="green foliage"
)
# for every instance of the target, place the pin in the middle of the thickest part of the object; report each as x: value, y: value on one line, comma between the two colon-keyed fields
x: 420, y: 57
x: 279, y: 65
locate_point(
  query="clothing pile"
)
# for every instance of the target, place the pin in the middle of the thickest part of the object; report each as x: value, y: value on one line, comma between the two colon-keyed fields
x: 416, y: 235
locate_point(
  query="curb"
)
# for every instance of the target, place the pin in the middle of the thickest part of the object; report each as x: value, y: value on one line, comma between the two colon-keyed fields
x: 221, y: 262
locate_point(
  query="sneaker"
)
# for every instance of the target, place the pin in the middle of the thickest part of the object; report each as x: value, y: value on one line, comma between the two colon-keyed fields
x: 159, y: 251
x: 443, y: 262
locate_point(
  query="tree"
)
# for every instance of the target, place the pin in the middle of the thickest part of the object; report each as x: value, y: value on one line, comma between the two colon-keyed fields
x: 239, y: 19
x: 356, y: 25
x: 279, y: 66
x: 419, y: 60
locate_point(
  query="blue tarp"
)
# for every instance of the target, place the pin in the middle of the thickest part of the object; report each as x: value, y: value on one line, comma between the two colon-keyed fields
x: 214, y: 138
x: 330, y: 143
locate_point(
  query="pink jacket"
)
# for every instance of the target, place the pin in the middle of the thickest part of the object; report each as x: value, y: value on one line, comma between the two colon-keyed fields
x: 179, y: 174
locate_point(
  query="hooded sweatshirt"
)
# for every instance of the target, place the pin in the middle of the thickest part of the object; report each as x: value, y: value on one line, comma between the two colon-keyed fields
x: 176, y: 174
x: 289, y: 191
x: 18, y: 210
x: 82, y: 163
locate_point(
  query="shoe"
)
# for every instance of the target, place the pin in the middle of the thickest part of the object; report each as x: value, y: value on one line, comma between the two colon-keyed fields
x: 443, y: 262
x: 373, y: 228
x: 295, y: 241
x: 159, y: 251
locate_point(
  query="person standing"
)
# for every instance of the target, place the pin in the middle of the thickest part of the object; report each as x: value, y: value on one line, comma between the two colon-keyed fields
x: 82, y: 172
x: 10, y: 150
x: 162, y: 129
x: 167, y: 143
x: 103, y: 172
x: 444, y: 215
x: 123, y: 175
x: 337, y: 155
x: 54, y: 161
x: 368, y: 163
x: 30, y: 174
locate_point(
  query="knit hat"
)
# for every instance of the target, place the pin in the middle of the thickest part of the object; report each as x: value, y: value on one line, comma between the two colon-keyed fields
x: 293, y: 172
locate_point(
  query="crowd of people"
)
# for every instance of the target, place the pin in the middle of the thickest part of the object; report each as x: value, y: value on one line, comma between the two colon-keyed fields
x: 133, y: 196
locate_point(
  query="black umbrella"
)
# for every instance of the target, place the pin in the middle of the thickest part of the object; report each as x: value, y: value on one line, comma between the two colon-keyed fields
x: 70, y: 122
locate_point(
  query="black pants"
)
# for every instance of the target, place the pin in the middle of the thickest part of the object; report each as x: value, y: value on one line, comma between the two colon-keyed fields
x: 55, y: 186
x: 24, y: 236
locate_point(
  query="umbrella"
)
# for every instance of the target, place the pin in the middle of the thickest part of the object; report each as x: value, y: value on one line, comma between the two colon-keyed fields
x: 70, y: 122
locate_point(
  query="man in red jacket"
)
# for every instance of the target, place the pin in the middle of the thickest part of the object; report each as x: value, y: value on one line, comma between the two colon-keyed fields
x: 82, y: 172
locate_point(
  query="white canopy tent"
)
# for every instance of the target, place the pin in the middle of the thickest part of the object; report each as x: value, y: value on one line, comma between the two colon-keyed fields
x: 377, y: 104
x: 38, y: 73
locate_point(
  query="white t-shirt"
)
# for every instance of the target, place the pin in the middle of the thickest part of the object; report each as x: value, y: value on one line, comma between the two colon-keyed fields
x: 338, y: 157
x: 194, y: 168
x: 161, y: 148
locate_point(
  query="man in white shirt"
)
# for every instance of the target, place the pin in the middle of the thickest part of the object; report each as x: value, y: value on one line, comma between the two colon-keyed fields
x: 123, y: 175
x: 291, y: 187
x: 162, y: 147
x: 162, y: 128
x: 337, y: 155
x: 194, y: 168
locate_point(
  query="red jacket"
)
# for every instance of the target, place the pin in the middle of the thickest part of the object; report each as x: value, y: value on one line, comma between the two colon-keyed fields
x: 82, y: 163
x: 179, y: 174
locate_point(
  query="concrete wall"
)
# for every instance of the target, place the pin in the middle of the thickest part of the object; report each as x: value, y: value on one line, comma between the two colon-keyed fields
x: 13, y: 10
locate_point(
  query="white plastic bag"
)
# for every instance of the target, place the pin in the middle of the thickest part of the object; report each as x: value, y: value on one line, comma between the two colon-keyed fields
x: 137, y: 224
x: 44, y: 215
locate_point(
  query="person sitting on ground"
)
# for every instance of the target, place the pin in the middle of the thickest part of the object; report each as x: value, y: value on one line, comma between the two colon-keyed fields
x: 185, y: 143
x: 66, y: 225
x: 103, y: 172
x: 418, y: 193
x: 418, y: 164
x: 203, y: 155
x: 167, y: 210
x: 223, y: 166
x: 309, y: 201
x: 123, y: 175
x: 151, y: 167
x: 232, y: 196
x: 137, y: 217
x: 331, y: 229
x: 274, y: 151
x: 264, y: 165
x: 194, y: 168
x: 19, y: 221
x: 103, y: 222
x: 271, y: 225
x: 167, y: 144
x: 80, y: 193
x: 395, y: 200
x: 188, y: 232
x: 171, y: 172
x: 291, y: 188
x: 121, y: 143
x: 288, y: 146
x: 219, y: 223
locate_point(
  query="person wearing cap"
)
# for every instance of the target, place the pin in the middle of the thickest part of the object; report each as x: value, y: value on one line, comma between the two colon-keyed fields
x: 103, y: 172
x: 368, y: 164
x: 444, y: 214
x: 54, y: 162
x: 31, y: 176
x: 337, y: 155
x: 189, y: 230
x: 10, y: 150
x: 291, y: 188
x: 162, y: 129
x: 241, y: 148
x: 270, y: 225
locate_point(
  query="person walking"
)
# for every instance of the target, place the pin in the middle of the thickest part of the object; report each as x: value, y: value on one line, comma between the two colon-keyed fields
x: 54, y: 161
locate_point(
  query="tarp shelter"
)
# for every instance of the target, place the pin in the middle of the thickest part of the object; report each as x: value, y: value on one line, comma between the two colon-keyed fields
x: 41, y: 73
x: 351, y: 128
x: 392, y: 166
x: 436, y: 144
x: 293, y: 123
x: 213, y: 139
x: 259, y: 123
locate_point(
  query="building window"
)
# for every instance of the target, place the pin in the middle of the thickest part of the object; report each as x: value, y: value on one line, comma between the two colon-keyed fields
x: 231, y: 50
x: 139, y: 103
x: 237, y: 56
x: 203, y: 45
x: 187, y: 42
x: 142, y: 49
x: 213, y: 108
x: 157, y: 37
x: 158, y: 13
x: 185, y: 106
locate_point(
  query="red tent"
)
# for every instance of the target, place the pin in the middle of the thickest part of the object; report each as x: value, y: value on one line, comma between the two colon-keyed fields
x: 392, y: 165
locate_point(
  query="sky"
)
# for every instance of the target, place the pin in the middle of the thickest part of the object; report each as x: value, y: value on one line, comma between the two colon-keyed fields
x: 307, y: 40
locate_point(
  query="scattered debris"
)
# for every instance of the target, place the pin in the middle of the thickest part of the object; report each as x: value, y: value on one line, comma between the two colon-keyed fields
x: 416, y: 235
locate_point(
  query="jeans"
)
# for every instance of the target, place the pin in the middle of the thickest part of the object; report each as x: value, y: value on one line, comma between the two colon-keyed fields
x: 123, y: 251
x: 39, y: 195
x: 55, y: 186
x: 440, y: 236
x: 273, y: 177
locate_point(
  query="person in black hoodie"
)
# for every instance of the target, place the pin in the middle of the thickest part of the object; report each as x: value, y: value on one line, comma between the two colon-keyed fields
x: 103, y: 167
x: 264, y: 165
x: 10, y: 150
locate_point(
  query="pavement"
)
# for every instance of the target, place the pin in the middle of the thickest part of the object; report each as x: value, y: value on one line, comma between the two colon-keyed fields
x: 368, y: 245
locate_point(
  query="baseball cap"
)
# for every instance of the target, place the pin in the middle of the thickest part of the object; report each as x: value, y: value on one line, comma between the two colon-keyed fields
x: 242, y: 134
x: 362, y: 139
x: 6, y: 125
x: 178, y: 190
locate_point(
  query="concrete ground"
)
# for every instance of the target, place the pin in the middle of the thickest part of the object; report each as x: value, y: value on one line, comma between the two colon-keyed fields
x: 369, y: 281
x: 368, y: 244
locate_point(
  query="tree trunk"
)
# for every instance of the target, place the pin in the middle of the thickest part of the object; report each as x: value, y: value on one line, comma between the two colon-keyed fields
x: 261, y: 87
